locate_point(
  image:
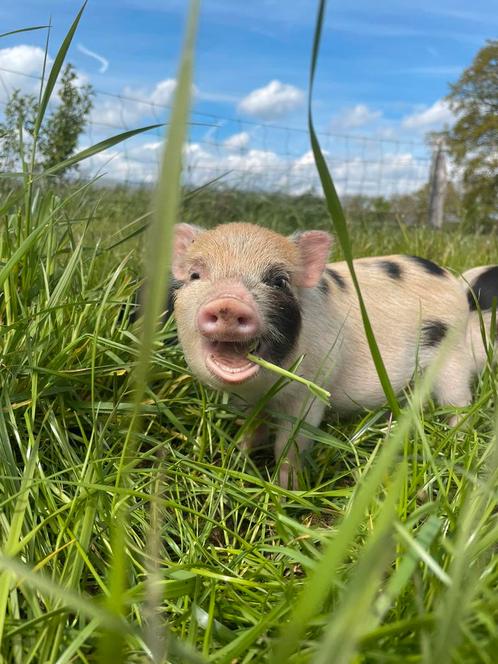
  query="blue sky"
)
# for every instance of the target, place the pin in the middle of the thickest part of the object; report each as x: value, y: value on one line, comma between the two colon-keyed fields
x: 383, y: 71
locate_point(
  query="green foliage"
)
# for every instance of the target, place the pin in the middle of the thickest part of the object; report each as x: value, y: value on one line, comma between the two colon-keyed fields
x: 67, y: 122
x: 63, y: 127
x: 473, y: 139
x: 17, y: 128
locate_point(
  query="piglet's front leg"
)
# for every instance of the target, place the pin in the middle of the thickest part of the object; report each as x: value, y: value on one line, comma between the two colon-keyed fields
x: 255, y: 438
x: 290, y: 442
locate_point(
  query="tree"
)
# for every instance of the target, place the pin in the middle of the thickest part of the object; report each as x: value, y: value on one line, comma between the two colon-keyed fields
x: 61, y: 130
x: 473, y: 140
x: 64, y: 126
x: 16, y: 130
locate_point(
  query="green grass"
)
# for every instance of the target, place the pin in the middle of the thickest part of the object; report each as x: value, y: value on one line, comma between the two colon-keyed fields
x: 132, y: 527
x: 234, y: 552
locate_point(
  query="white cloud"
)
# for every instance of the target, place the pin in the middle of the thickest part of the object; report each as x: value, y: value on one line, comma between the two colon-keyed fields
x: 255, y: 161
x: 272, y: 101
x: 206, y: 164
x: 21, y: 68
x: 237, y: 141
x: 135, y: 103
x: 391, y: 172
x: 25, y: 59
x: 307, y: 159
x: 162, y: 94
x: 357, y: 116
x: 434, y: 116
x: 132, y: 166
x: 394, y: 173
x: 205, y: 95
x: 152, y: 146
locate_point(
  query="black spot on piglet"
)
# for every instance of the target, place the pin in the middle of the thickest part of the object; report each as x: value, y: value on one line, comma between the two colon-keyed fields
x: 339, y: 280
x: 433, y: 332
x: 392, y: 269
x: 429, y: 266
x: 284, y: 324
x: 484, y: 288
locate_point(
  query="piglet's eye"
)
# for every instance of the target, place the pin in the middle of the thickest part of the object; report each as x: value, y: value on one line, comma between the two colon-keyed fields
x: 276, y: 277
x: 194, y: 276
x: 280, y: 282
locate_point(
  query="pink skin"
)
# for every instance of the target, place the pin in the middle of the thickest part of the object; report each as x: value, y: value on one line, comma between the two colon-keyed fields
x: 228, y: 324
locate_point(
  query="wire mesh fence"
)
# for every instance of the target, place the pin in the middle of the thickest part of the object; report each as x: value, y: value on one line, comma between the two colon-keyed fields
x: 243, y: 154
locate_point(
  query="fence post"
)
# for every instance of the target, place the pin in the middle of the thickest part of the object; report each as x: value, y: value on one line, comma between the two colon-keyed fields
x: 438, y: 185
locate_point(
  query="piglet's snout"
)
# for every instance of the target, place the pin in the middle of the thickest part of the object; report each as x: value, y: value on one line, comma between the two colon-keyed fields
x: 228, y: 319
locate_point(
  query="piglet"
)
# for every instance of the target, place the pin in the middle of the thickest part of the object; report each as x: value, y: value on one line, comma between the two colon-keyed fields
x: 240, y: 288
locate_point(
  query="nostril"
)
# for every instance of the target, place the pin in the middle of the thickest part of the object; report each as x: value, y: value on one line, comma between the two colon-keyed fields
x: 227, y: 317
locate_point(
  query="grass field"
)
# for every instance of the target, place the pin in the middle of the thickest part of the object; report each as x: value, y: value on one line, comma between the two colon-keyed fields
x: 158, y: 540
x: 415, y: 578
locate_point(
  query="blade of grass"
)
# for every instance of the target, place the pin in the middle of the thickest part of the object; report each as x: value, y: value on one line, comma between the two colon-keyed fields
x: 65, y: 279
x: 158, y: 262
x: 316, y: 588
x: 428, y: 531
x: 83, y: 635
x: 239, y: 645
x: 20, y: 252
x: 337, y: 215
x: 16, y: 32
x: 316, y: 390
x: 349, y: 620
x: 94, y: 149
x: 401, y: 576
x: 111, y: 645
x: 455, y: 602
x: 73, y: 600
x: 161, y: 231
x: 55, y: 71
x: 15, y: 528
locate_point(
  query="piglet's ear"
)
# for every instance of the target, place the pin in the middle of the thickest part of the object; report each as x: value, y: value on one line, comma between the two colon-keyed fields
x: 314, y: 247
x: 184, y: 236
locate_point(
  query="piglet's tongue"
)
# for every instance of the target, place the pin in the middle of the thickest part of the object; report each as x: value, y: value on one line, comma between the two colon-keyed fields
x: 231, y: 355
x: 228, y: 362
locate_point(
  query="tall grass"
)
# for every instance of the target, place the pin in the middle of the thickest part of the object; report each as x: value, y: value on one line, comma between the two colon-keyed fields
x: 161, y: 542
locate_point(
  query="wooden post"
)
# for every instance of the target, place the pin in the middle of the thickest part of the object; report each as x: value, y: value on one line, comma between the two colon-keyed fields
x: 437, y: 186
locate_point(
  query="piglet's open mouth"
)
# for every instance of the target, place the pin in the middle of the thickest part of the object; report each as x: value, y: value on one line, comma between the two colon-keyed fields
x: 227, y: 359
